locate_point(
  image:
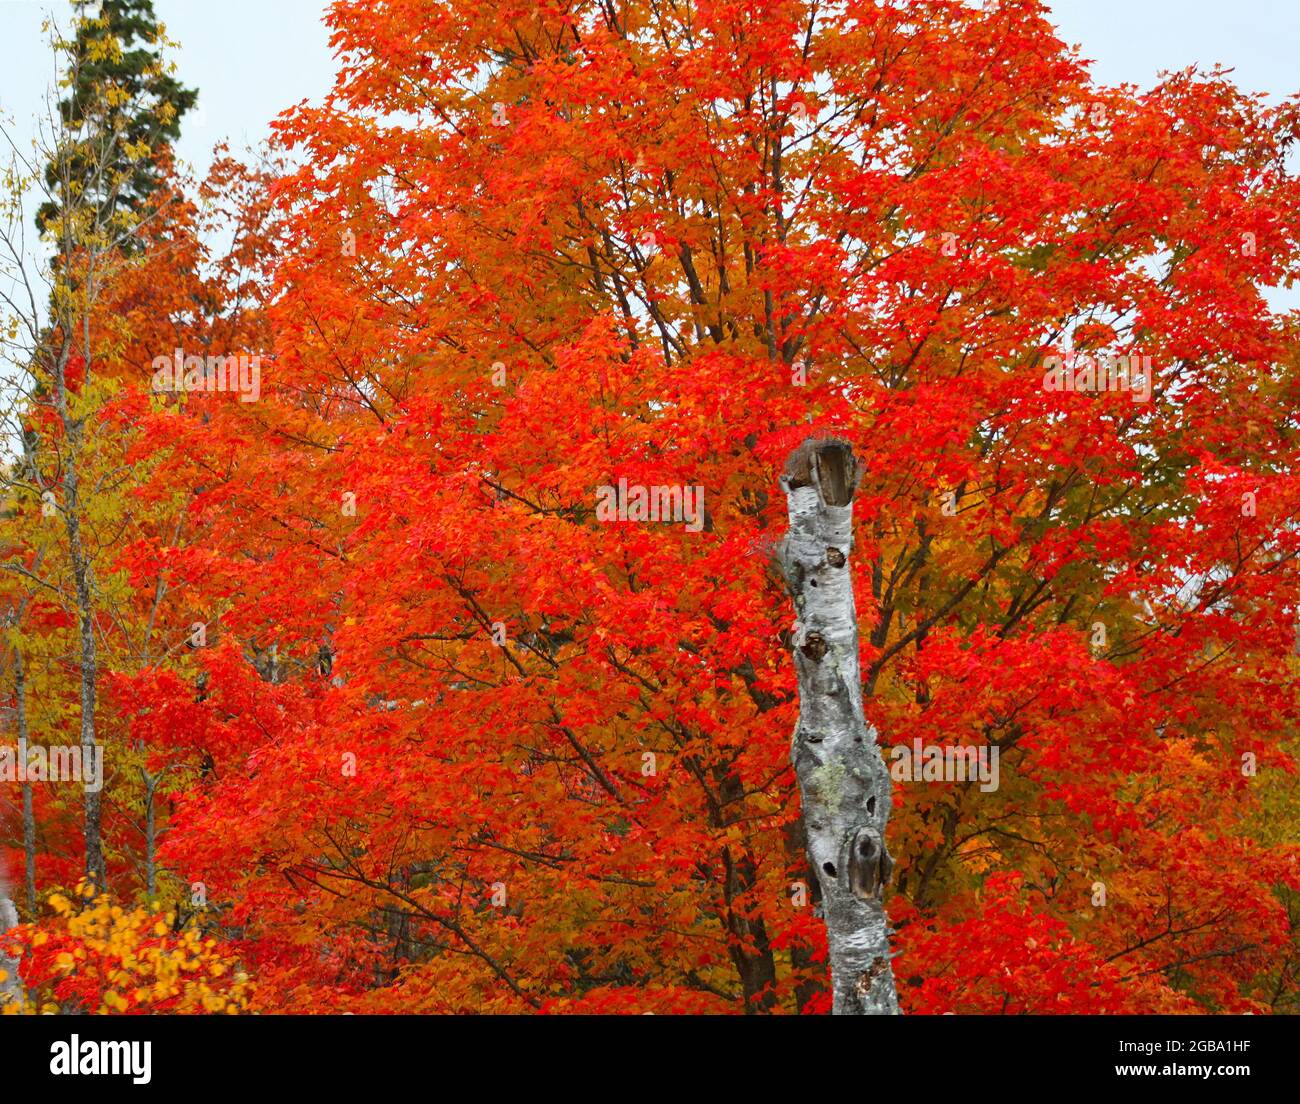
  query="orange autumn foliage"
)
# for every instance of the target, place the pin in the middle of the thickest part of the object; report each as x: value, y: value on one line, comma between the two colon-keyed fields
x: 455, y: 743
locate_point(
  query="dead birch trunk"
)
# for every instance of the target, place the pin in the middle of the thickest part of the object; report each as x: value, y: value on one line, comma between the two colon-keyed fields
x: 843, y: 780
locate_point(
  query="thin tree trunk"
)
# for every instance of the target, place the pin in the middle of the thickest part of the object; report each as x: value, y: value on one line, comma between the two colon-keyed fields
x: 29, y: 849
x: 89, y: 671
x: 749, y: 944
x: 843, y: 780
x: 79, y: 561
x: 29, y: 818
x: 150, y: 833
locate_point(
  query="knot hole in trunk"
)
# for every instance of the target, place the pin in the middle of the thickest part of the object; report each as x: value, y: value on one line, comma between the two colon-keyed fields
x: 815, y: 646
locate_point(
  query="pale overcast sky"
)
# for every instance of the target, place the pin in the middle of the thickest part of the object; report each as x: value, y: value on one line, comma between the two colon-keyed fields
x: 249, y: 59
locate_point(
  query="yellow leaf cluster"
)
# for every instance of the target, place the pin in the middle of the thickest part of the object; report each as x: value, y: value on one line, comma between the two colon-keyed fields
x: 136, y: 960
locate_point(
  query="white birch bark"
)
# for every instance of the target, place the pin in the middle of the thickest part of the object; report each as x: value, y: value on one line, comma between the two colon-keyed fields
x: 11, y: 986
x: 843, y: 780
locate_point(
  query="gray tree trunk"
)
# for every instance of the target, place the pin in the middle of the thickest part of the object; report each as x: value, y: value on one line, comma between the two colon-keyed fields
x: 81, y: 577
x: 843, y: 780
x: 11, y: 986
x: 29, y: 817
x: 150, y: 833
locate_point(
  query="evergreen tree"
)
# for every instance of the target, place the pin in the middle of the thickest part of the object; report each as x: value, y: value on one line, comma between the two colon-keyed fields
x: 119, y: 92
